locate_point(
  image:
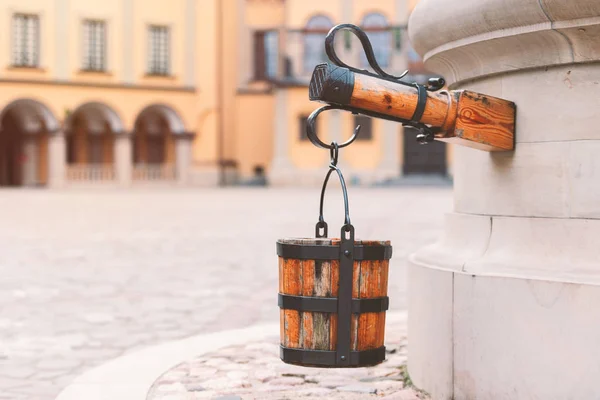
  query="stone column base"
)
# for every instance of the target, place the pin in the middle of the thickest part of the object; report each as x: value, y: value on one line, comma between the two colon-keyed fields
x: 203, y: 176
x: 57, y: 160
x: 494, y: 314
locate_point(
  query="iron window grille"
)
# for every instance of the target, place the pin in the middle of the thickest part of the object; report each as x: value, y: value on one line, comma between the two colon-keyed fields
x: 26, y: 40
x: 158, y: 50
x: 94, y: 45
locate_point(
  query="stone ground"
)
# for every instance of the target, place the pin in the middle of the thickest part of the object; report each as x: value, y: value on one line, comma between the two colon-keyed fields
x: 87, y: 276
x: 254, y: 372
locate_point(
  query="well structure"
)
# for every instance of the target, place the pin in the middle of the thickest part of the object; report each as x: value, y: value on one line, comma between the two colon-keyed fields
x: 505, y: 305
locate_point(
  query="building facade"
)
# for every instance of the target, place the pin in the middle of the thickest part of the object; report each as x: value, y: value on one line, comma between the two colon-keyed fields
x: 190, y: 92
x: 104, y: 92
x: 283, y: 41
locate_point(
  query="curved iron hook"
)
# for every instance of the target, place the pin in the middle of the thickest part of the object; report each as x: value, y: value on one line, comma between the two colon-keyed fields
x: 311, y: 130
x: 367, y: 47
x: 434, y: 84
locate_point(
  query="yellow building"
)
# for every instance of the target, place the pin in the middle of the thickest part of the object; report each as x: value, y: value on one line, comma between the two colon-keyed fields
x: 282, y: 41
x: 192, y: 92
x: 106, y: 91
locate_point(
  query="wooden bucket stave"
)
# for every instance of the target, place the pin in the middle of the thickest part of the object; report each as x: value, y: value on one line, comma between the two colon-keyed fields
x: 310, y: 337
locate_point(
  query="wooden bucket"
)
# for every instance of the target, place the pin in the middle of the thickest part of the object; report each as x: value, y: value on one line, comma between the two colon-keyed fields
x: 333, y: 298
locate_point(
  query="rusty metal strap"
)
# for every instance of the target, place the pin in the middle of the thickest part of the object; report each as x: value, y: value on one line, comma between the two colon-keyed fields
x: 324, y: 358
x: 331, y: 252
x: 330, y: 304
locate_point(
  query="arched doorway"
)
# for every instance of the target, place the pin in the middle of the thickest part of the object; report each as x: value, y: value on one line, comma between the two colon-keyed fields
x: 25, y: 126
x: 91, y: 131
x: 154, y: 143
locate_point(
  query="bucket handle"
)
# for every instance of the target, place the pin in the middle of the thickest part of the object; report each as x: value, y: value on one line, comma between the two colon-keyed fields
x: 321, y: 227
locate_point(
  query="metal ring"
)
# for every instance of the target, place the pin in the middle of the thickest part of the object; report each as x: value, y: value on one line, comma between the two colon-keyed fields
x: 311, y: 129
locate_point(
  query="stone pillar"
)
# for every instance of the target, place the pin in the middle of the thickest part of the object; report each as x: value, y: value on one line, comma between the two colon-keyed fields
x: 505, y: 305
x: 124, y: 159
x: 30, y: 167
x: 281, y: 167
x: 57, y: 160
x: 183, y: 158
x: 390, y: 143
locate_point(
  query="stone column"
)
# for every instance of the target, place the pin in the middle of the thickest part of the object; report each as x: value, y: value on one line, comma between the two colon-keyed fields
x: 390, y: 142
x: 30, y: 167
x: 57, y: 160
x: 124, y: 159
x: 183, y: 157
x: 505, y: 305
x: 281, y: 167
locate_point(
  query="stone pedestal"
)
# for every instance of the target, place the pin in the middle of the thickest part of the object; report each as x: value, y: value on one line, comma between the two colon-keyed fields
x: 57, y: 160
x: 505, y: 305
x: 124, y: 159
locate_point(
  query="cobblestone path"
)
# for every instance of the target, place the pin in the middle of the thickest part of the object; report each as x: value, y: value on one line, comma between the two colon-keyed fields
x: 88, y: 276
x: 253, y: 371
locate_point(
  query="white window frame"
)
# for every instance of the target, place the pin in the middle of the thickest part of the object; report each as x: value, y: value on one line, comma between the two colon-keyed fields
x: 94, y: 62
x: 25, y: 55
x: 159, y: 50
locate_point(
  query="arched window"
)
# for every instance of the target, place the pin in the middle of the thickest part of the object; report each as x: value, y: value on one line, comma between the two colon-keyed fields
x: 379, y: 32
x: 314, y: 41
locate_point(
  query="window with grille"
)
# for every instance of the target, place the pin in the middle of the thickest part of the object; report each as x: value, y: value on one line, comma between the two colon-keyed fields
x: 366, y: 127
x: 265, y: 54
x: 26, y: 40
x: 158, y: 50
x: 94, y: 45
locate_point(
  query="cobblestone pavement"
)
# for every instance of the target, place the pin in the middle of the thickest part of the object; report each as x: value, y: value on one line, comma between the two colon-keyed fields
x: 255, y: 372
x: 89, y: 276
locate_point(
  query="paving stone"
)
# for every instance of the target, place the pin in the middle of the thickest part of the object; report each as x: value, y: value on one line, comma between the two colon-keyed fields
x: 237, y: 375
x: 358, y: 389
x: 333, y: 382
x: 314, y: 391
x: 388, y: 386
x: 202, y: 372
x: 264, y: 374
x: 407, y: 394
x: 286, y: 381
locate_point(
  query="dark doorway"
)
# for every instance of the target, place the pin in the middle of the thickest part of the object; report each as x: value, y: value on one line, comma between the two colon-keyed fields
x: 11, y: 153
x: 423, y: 159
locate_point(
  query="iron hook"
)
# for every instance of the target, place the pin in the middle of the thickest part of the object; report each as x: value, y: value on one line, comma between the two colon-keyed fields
x: 311, y: 130
x: 367, y: 48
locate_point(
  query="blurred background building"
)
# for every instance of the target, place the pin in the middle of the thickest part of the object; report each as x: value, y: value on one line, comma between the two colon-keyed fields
x: 191, y: 92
